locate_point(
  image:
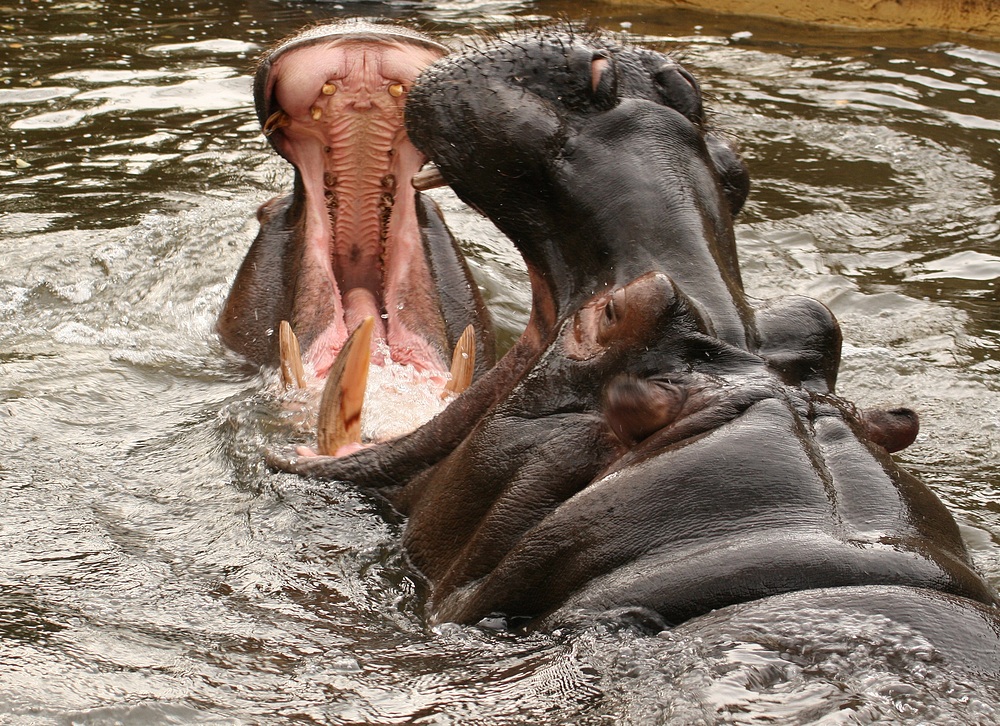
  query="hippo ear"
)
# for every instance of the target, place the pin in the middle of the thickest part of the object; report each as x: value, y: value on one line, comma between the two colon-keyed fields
x: 679, y: 90
x: 733, y: 174
x: 892, y: 429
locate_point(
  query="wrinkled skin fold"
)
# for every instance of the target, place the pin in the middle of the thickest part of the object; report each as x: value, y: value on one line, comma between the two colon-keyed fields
x: 656, y: 440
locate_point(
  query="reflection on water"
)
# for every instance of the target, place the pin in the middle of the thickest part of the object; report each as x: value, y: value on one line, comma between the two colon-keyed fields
x: 152, y: 570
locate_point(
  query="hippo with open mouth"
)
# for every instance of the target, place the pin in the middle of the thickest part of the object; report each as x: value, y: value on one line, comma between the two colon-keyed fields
x: 353, y: 241
x: 656, y: 440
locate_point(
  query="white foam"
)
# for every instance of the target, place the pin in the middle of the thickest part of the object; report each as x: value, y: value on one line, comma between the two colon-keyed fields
x: 399, y: 399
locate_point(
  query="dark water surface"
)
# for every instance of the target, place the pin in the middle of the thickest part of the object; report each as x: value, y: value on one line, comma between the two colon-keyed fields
x: 153, y: 571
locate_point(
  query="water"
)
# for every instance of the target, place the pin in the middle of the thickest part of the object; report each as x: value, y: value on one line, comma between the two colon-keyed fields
x: 153, y: 571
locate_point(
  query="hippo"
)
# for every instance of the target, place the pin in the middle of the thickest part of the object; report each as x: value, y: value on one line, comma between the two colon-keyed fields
x: 353, y: 240
x: 656, y: 440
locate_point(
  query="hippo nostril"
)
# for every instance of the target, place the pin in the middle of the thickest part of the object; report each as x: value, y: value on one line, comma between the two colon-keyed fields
x: 609, y: 312
x: 613, y: 310
x: 603, y: 82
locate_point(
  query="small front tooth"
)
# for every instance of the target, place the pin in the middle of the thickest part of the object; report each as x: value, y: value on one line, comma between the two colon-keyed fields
x: 396, y: 90
x: 463, y: 362
x: 428, y: 178
x: 329, y: 89
x: 290, y: 357
x: 344, y: 393
x: 316, y: 112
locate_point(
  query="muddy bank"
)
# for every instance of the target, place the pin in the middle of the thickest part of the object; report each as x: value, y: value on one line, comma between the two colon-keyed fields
x: 978, y: 17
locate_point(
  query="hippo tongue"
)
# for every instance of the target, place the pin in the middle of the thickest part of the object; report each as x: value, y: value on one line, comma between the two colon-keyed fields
x: 360, y: 304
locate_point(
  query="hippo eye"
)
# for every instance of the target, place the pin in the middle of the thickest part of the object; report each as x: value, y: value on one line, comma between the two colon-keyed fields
x: 614, y: 310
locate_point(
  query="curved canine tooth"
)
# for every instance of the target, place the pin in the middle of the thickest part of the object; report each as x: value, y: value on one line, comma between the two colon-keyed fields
x: 275, y: 121
x: 396, y: 90
x: 463, y: 362
x: 429, y: 178
x: 344, y: 393
x: 292, y: 372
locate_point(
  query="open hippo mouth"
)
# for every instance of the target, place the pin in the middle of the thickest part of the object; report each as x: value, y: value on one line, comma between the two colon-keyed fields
x: 354, y: 248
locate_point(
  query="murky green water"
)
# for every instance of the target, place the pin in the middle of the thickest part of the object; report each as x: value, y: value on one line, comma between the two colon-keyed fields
x: 153, y: 571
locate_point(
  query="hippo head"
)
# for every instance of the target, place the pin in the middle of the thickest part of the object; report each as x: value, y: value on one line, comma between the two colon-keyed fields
x: 353, y: 240
x: 594, y: 158
x: 643, y: 463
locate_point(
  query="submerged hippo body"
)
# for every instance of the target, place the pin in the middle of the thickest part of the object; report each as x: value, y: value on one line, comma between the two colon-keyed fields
x: 663, y: 443
x: 353, y: 239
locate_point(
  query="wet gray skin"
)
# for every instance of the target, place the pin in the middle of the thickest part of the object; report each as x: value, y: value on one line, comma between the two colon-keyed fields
x: 673, y: 447
x: 353, y: 239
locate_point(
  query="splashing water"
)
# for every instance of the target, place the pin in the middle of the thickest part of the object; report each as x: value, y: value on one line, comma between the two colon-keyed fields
x: 152, y: 570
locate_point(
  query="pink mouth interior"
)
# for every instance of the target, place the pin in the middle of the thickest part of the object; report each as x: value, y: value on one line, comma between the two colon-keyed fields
x: 364, y: 255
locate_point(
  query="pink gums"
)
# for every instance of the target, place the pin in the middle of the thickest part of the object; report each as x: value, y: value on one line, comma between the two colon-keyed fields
x: 344, y: 101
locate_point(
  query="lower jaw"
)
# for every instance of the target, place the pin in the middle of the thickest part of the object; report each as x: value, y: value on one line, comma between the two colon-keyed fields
x: 394, y: 400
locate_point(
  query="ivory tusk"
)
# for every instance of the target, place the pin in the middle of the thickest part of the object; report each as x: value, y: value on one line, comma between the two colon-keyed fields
x: 428, y: 178
x: 463, y: 363
x: 344, y: 393
x: 290, y: 357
